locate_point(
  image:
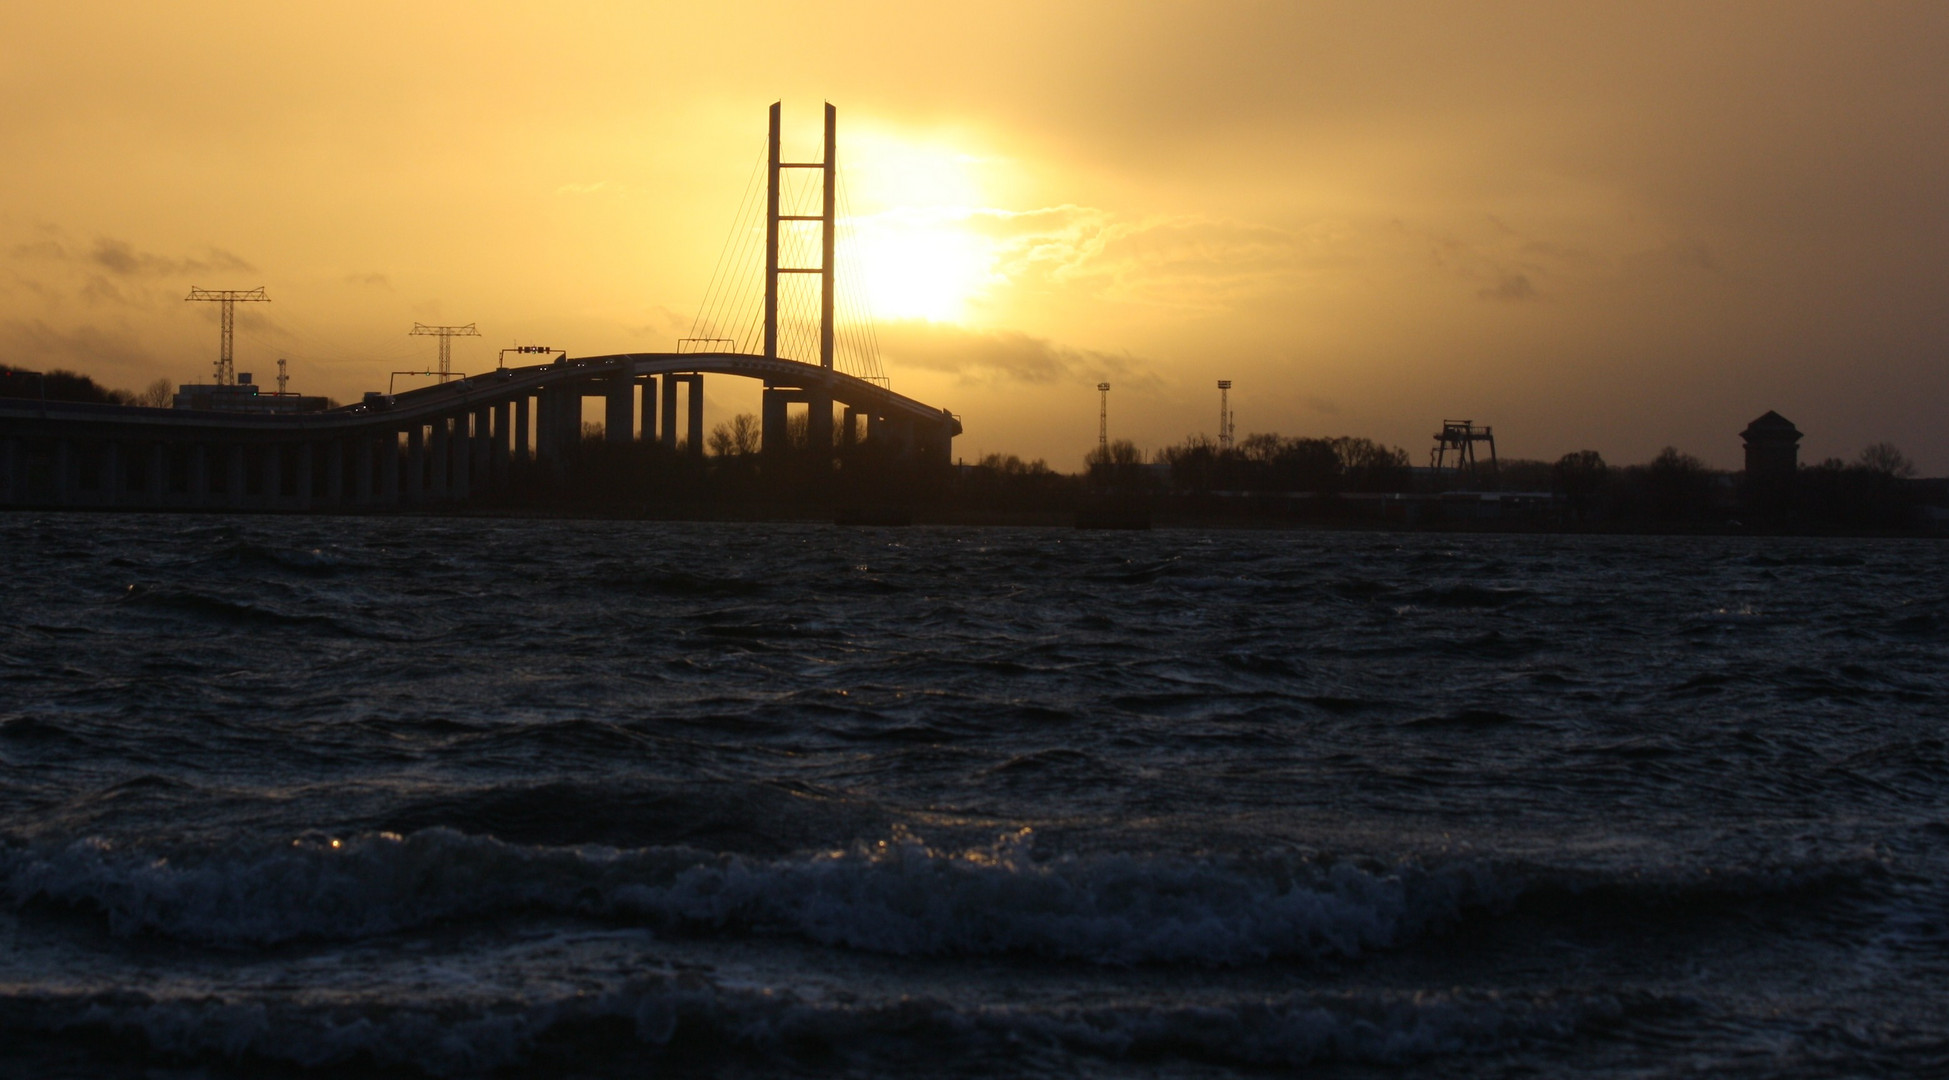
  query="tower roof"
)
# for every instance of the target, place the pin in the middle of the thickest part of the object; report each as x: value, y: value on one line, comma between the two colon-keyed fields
x: 1771, y: 427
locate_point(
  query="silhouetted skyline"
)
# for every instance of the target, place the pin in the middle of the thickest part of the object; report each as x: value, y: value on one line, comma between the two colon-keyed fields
x: 1616, y: 229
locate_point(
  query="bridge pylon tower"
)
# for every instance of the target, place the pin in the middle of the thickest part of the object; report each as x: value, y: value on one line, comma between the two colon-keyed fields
x: 827, y: 235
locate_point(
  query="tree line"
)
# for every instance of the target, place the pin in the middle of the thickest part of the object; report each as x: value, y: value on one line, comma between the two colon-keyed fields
x: 63, y: 385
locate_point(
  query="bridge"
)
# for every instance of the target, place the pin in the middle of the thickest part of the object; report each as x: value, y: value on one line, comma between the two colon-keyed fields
x: 467, y: 439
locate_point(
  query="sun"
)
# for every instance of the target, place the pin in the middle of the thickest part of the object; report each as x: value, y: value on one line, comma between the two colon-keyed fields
x: 917, y: 264
x: 907, y: 245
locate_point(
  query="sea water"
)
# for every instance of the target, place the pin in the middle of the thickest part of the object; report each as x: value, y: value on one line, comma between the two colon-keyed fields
x: 325, y: 796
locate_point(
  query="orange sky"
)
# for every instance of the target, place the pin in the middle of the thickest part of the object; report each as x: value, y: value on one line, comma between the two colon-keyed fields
x: 1605, y: 226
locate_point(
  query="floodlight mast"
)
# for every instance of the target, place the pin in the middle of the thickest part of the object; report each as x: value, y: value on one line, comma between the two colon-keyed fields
x: 226, y: 366
x: 1103, y: 420
x: 1224, y: 414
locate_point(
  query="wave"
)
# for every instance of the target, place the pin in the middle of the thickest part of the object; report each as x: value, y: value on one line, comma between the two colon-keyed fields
x: 898, y: 896
x: 451, y: 1038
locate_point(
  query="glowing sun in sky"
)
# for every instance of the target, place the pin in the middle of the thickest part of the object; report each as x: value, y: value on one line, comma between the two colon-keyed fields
x: 907, y: 245
x: 918, y: 264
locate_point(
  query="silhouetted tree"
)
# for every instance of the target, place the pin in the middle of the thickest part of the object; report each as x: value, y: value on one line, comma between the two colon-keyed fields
x: 1370, y: 466
x: 1579, y: 476
x: 739, y: 437
x: 1884, y: 459
x: 1674, y: 486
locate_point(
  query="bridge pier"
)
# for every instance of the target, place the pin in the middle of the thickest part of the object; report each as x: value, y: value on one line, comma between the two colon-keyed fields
x: 389, y: 468
x: 504, y: 446
x: 669, y: 426
x: 522, y: 406
x: 415, y: 464
x: 437, y: 461
x: 461, y: 449
x: 773, y: 417
x: 818, y: 421
x: 647, y: 425
x: 483, y: 467
x: 618, y: 419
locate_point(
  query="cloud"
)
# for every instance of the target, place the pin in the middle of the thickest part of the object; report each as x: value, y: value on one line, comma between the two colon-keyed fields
x: 87, y: 348
x: 121, y: 258
x: 45, y: 250
x: 1183, y: 261
x: 1004, y: 356
x: 370, y: 281
x: 1512, y: 287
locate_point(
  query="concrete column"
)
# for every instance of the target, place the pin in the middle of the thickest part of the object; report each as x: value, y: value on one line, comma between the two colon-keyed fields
x: 522, y: 407
x: 461, y: 450
x: 233, y: 491
x: 158, y: 473
x: 544, y: 448
x: 415, y: 464
x: 436, y: 462
x: 110, y: 479
x: 301, y: 476
x: 483, y: 471
x: 648, y: 432
x: 362, y: 470
x: 818, y: 423
x: 389, y: 468
x: 335, y: 472
x: 668, y: 428
x: 497, y: 472
x: 771, y: 420
x: 618, y: 418
x: 545, y: 423
x: 696, y: 435
x: 849, y: 428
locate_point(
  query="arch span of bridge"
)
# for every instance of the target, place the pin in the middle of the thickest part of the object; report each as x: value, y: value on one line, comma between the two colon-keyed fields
x: 440, y: 444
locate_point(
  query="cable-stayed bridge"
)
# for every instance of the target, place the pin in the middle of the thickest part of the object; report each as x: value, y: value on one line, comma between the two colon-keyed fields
x: 471, y: 437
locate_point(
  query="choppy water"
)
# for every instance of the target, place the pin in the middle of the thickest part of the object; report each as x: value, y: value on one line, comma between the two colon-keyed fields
x: 298, y: 796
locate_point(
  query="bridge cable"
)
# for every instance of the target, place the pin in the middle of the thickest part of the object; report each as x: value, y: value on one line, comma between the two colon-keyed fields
x: 718, y: 292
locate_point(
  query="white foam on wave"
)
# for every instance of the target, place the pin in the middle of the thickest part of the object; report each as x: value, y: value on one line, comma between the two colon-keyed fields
x: 899, y: 896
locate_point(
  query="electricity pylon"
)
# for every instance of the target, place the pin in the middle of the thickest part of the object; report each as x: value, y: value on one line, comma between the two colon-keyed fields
x: 446, y: 334
x: 226, y: 373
